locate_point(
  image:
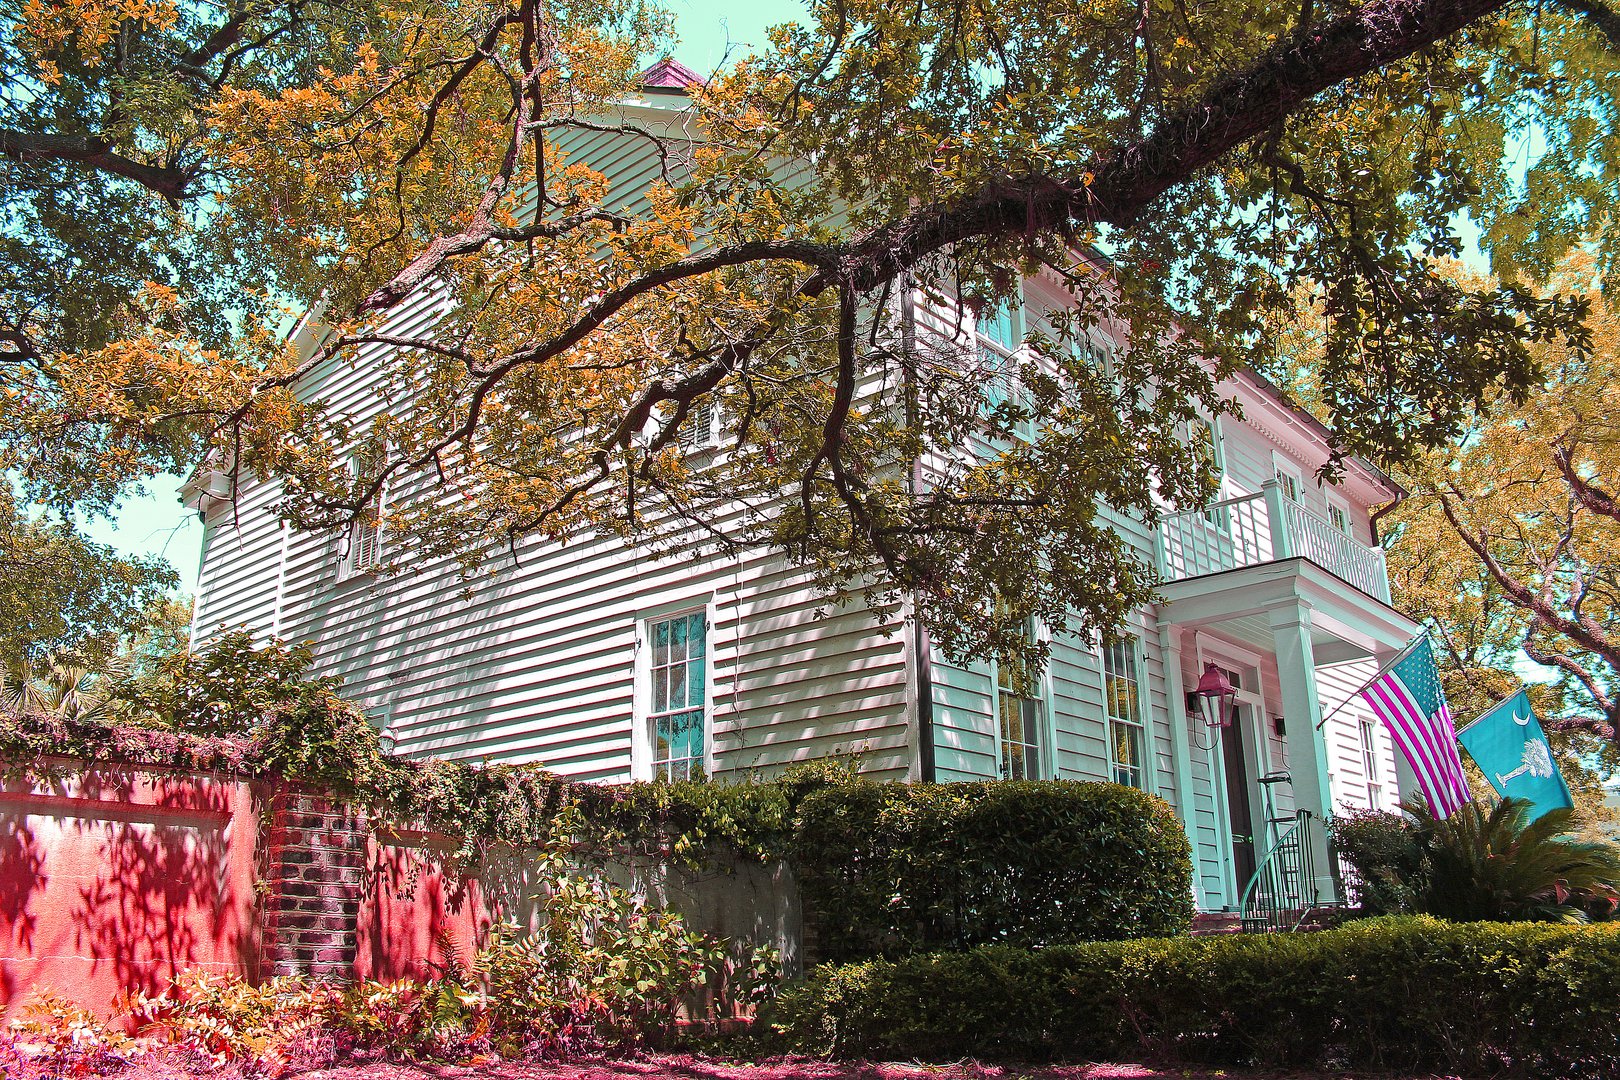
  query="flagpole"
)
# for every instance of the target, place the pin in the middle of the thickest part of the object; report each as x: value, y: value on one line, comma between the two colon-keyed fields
x: 1410, y: 645
x: 1483, y: 713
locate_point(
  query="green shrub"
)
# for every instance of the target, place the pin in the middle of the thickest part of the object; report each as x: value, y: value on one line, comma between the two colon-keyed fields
x: 1501, y: 864
x: 1400, y: 993
x: 891, y: 869
x: 1383, y: 854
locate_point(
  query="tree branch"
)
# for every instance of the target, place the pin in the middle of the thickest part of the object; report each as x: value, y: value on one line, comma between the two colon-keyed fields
x: 168, y: 181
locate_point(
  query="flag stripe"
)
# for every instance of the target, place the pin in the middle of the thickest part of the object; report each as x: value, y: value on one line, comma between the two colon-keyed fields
x: 1410, y: 746
x: 1418, y: 719
x: 1417, y: 735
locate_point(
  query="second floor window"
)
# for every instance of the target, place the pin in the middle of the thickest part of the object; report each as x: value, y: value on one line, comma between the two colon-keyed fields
x: 1289, y: 476
x: 362, y: 543
x: 697, y: 432
x: 679, y: 712
x: 1122, y: 701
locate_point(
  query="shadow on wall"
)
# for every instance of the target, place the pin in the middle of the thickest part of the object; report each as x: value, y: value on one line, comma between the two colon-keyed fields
x: 114, y: 882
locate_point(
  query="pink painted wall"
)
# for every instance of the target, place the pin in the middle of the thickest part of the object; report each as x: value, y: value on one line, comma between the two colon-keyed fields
x: 112, y: 880
x: 415, y: 908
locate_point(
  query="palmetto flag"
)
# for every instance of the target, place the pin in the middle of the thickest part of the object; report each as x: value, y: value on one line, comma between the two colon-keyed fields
x: 1508, y: 745
x: 1408, y: 699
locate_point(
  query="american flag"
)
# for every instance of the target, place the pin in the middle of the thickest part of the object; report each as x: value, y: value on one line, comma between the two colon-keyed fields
x: 1408, y: 699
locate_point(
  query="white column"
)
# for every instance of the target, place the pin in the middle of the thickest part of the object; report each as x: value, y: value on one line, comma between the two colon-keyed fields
x: 1180, y: 755
x: 1307, y: 749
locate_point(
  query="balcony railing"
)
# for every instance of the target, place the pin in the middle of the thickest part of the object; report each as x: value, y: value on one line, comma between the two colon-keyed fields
x: 1261, y: 528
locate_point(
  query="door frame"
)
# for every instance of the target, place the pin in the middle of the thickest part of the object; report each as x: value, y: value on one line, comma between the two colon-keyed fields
x: 1258, y: 758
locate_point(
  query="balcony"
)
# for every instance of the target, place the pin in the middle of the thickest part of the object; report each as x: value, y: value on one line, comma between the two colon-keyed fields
x: 1251, y: 530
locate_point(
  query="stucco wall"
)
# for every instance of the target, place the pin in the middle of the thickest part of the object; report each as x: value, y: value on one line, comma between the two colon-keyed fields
x: 112, y: 879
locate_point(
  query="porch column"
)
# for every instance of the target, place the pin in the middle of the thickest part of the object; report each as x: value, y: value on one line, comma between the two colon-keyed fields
x: 1307, y: 749
x: 1180, y: 755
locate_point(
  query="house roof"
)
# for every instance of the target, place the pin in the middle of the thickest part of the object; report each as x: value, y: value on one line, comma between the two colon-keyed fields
x: 670, y: 74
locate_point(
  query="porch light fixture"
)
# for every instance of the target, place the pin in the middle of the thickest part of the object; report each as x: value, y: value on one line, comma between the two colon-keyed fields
x: 1214, y: 699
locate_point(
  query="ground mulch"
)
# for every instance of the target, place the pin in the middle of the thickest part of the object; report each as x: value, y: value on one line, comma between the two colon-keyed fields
x: 693, y: 1067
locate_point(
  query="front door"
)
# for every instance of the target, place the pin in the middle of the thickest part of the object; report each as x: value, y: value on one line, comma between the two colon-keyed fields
x: 1241, y: 813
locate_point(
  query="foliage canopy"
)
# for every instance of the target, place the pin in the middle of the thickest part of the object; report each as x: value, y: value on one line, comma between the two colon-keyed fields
x: 183, y: 175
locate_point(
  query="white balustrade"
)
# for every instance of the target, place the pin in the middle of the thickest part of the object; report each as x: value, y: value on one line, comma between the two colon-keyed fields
x: 1261, y: 528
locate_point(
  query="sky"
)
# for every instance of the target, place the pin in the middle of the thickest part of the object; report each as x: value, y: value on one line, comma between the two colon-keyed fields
x: 154, y: 522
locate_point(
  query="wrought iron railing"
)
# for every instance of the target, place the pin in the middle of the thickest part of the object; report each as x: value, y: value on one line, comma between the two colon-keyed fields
x: 1284, y: 890
x: 1261, y: 528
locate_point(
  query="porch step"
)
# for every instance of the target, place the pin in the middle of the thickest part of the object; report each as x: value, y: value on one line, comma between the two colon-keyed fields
x: 1212, y: 923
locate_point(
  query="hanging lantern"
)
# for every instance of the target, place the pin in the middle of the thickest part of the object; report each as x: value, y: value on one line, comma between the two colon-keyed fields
x: 1215, y: 698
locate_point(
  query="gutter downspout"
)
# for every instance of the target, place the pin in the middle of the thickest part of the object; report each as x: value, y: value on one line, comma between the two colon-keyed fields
x: 921, y: 646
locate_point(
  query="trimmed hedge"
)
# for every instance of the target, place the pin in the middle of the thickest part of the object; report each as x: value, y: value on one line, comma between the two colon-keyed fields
x: 1530, y: 999
x: 894, y: 869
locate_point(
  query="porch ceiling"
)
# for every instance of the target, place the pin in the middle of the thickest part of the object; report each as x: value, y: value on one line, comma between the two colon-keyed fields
x: 1346, y: 624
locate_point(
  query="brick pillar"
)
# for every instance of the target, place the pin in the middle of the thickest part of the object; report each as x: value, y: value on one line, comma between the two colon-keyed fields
x: 315, y: 868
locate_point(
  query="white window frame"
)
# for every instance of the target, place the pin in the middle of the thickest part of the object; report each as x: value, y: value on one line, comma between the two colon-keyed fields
x: 644, y: 745
x: 1368, y: 731
x: 1288, y: 473
x: 1041, y: 738
x: 1144, y: 711
x: 1338, y: 505
x: 355, y: 561
x: 699, y: 430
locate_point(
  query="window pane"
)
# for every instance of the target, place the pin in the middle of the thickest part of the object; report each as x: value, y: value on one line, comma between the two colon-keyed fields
x: 694, y: 635
x: 660, y: 643
x: 694, y: 682
x: 660, y: 689
x: 677, y: 686
x: 677, y: 639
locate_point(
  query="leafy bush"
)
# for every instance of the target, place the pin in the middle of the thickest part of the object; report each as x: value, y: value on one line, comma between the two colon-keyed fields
x: 890, y: 869
x: 57, y: 1038
x: 601, y: 966
x: 232, y: 686
x: 1480, y: 864
x: 1381, y: 849
x: 1503, y: 865
x: 1398, y: 994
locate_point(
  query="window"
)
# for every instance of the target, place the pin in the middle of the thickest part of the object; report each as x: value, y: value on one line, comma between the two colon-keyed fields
x: 1019, y: 718
x: 1201, y: 436
x: 1205, y: 443
x: 998, y: 339
x: 678, y: 713
x: 697, y: 432
x: 1339, y: 515
x: 1369, y: 764
x: 1289, y: 476
x: 1122, y: 701
x: 362, y: 544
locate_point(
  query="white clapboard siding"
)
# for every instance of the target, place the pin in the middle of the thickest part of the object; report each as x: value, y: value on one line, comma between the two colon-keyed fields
x: 535, y: 659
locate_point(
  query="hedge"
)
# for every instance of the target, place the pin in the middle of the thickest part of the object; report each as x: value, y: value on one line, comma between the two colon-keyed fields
x: 893, y: 869
x: 1528, y: 999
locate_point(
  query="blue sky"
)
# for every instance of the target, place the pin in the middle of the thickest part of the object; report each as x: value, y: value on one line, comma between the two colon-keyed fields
x: 154, y: 522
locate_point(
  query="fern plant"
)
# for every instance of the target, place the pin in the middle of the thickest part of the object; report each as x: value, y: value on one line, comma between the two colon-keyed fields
x: 1501, y: 865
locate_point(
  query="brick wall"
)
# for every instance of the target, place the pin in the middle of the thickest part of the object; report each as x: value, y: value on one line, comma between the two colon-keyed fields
x: 313, y: 879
